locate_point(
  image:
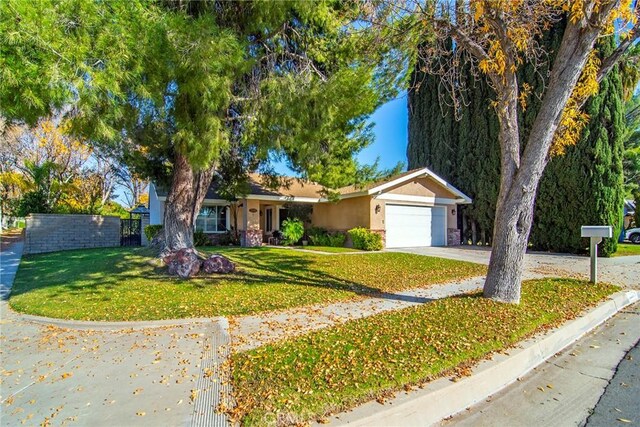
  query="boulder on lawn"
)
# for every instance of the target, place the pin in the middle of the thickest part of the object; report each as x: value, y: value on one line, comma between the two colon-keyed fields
x: 184, y: 263
x: 218, y: 264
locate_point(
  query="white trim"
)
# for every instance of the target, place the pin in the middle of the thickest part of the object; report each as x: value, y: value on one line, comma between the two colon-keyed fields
x: 397, y: 181
x: 426, y: 172
x: 286, y: 198
x: 428, y: 200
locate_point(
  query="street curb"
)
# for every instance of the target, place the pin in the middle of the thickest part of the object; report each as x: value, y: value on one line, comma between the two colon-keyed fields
x: 443, y: 398
x: 114, y: 326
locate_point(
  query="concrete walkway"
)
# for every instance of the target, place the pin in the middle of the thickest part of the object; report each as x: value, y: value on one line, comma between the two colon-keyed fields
x: 87, y: 373
x: 253, y: 331
x: 9, y: 263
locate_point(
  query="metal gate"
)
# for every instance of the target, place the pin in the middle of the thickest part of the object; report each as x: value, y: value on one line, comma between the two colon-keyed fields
x: 130, y: 232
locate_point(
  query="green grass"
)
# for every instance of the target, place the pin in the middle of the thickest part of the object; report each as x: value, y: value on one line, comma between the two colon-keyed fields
x: 127, y: 284
x: 625, y: 249
x: 329, y: 249
x: 327, y: 371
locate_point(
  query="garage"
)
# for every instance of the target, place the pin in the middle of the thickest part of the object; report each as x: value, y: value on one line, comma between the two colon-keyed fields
x: 409, y: 226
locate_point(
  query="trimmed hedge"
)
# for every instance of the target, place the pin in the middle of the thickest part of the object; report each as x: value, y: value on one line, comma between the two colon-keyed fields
x: 151, y: 231
x: 365, y: 239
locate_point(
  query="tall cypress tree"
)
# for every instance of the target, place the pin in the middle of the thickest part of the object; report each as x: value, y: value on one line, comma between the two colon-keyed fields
x: 584, y: 186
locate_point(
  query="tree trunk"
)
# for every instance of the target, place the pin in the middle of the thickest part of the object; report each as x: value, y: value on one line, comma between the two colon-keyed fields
x: 520, y: 177
x: 474, y: 232
x: 184, y: 200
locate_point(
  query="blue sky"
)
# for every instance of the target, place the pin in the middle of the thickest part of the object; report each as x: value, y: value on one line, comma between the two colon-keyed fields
x: 390, y: 144
x: 390, y: 129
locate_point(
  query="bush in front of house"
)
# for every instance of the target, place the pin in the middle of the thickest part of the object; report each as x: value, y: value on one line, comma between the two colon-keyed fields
x: 365, y: 239
x: 292, y: 230
x: 200, y: 238
x: 319, y: 236
x: 151, y: 231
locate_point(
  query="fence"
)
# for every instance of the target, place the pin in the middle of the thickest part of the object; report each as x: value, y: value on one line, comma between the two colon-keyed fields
x: 56, y: 232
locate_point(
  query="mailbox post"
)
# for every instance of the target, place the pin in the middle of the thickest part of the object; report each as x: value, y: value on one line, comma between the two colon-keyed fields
x: 595, y: 234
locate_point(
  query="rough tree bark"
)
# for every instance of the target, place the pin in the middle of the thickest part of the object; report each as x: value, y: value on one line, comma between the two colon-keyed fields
x: 184, y: 200
x: 519, y: 180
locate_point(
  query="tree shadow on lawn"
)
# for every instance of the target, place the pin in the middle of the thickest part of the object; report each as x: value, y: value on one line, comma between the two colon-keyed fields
x: 100, y: 271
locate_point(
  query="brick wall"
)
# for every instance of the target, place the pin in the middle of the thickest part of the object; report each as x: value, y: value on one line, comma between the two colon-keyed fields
x: 57, y: 232
x: 453, y: 237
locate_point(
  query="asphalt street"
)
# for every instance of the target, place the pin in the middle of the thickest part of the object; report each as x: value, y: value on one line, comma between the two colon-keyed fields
x: 620, y: 403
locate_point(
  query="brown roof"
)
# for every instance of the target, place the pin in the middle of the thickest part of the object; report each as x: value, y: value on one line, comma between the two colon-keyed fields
x: 289, y: 186
x: 296, y: 187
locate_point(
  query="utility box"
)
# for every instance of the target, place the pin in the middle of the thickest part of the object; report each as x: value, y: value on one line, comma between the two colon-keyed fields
x: 597, y: 231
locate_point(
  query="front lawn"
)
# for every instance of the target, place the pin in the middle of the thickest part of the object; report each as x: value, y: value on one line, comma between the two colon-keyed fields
x: 329, y: 249
x: 333, y: 369
x: 625, y: 249
x: 127, y: 284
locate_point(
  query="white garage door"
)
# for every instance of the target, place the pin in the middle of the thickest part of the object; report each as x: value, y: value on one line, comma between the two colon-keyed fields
x: 408, y: 226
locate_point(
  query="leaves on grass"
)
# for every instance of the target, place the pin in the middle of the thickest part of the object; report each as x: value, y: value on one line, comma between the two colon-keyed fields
x: 307, y: 377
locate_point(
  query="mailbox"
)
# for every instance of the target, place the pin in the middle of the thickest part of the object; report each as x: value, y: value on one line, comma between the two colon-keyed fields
x: 597, y: 231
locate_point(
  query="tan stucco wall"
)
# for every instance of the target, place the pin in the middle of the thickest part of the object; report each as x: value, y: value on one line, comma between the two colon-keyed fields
x: 251, y: 219
x: 452, y: 218
x: 344, y: 215
x: 377, y: 219
x: 426, y: 187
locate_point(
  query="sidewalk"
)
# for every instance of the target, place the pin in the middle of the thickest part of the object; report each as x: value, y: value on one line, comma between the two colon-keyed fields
x: 564, y: 390
x: 9, y: 262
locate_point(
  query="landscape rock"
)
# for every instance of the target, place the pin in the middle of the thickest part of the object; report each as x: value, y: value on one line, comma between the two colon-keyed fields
x: 218, y: 264
x: 184, y: 263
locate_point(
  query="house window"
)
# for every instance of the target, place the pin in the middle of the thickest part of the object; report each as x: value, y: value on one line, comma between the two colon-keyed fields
x: 269, y: 220
x: 212, y: 219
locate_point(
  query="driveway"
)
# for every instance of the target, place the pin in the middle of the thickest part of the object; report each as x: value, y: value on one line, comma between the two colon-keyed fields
x: 623, y: 271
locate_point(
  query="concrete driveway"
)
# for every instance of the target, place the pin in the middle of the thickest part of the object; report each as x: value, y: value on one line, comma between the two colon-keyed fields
x: 624, y: 271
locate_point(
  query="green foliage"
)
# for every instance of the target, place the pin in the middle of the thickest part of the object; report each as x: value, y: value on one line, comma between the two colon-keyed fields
x: 113, y: 208
x: 631, y: 141
x: 229, y: 238
x: 151, y: 231
x: 292, y: 230
x: 33, y: 202
x: 321, y: 237
x: 201, y: 79
x: 365, y: 239
x: 200, y: 238
x: 453, y: 149
x: 636, y: 199
x: 585, y: 186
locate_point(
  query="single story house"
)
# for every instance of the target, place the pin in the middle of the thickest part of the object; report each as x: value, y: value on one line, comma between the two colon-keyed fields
x: 415, y: 208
